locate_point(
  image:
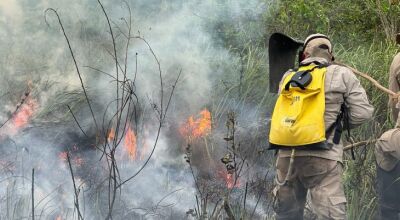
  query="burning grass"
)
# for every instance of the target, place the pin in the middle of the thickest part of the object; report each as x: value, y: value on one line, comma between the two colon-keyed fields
x: 222, y: 176
x: 197, y: 127
x: 130, y: 143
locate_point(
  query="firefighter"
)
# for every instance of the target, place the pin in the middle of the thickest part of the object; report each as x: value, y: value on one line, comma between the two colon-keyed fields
x: 319, y: 171
x: 387, y: 153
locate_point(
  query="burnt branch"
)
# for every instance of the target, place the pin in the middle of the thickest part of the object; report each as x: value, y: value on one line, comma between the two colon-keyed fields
x: 76, y: 121
x: 33, y: 194
x: 75, y: 62
x: 76, y: 190
x: 161, y: 122
x: 24, y: 98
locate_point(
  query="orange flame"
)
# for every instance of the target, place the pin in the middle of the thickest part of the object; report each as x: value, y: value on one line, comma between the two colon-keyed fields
x: 229, y: 179
x: 77, y: 160
x: 111, y: 135
x: 196, y: 128
x: 59, y: 217
x: 22, y: 117
x: 130, y: 143
x: 24, y: 113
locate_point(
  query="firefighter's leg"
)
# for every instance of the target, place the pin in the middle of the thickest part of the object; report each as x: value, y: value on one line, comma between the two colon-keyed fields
x: 327, y: 196
x: 289, y: 198
x: 388, y: 193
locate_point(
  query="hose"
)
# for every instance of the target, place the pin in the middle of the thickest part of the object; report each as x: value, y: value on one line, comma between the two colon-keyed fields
x: 290, y: 168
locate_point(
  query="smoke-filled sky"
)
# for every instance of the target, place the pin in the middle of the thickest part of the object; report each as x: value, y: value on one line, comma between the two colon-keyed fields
x: 35, y: 57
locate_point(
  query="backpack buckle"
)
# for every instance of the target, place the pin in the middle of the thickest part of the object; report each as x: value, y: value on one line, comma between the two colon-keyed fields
x: 300, y: 79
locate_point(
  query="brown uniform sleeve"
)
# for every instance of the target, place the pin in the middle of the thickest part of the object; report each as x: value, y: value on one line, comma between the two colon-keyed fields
x: 355, y: 98
x: 387, y: 149
x: 394, y: 84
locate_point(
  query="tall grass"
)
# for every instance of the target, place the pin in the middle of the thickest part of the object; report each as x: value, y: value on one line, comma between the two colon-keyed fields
x: 360, y: 174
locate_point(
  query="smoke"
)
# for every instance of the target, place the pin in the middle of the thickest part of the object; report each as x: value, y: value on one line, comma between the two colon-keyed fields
x: 185, y: 37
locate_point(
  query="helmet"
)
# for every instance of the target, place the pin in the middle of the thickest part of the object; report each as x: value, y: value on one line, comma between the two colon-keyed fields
x: 317, y: 45
x: 317, y: 40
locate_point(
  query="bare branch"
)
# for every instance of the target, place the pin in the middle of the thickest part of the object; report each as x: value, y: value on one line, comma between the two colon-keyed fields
x: 76, y: 191
x: 70, y: 110
x: 75, y: 63
x: 33, y: 194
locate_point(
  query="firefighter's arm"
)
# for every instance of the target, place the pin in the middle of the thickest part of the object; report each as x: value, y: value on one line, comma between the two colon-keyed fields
x: 396, y: 145
x: 355, y: 97
x: 394, y: 76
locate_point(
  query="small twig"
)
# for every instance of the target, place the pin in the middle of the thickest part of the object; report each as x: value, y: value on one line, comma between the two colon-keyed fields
x: 218, y: 211
x: 33, y: 194
x: 228, y: 210
x: 114, y: 48
x: 198, y: 206
x: 24, y: 98
x: 374, y: 82
x: 161, y: 122
x: 159, y: 70
x: 101, y: 71
x: 76, y: 121
x: 215, y: 208
x: 166, y: 196
x: 48, y: 195
x: 259, y: 198
x: 75, y: 62
x: 358, y: 144
x: 244, y: 202
x: 172, y: 93
x: 195, y: 180
x: 204, y: 207
x: 76, y: 193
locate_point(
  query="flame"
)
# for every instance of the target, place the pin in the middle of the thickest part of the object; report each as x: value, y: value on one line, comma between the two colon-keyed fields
x: 229, y: 179
x: 111, y: 135
x: 130, y: 143
x: 22, y: 116
x: 59, y: 217
x: 196, y: 128
x: 63, y: 156
x: 25, y: 112
x: 78, y: 161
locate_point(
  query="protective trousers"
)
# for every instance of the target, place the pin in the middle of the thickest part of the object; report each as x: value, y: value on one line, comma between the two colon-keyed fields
x: 318, y: 176
x: 389, y: 193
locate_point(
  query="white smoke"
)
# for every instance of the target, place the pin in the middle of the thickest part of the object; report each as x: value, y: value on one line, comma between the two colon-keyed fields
x: 35, y: 51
